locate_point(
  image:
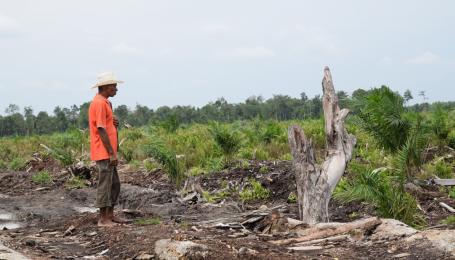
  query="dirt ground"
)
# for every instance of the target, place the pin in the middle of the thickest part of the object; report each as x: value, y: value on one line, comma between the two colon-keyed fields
x: 57, y: 222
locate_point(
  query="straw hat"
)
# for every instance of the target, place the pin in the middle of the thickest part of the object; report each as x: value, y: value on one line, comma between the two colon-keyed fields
x: 106, y: 78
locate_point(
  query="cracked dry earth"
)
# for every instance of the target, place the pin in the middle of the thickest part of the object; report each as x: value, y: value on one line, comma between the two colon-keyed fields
x: 54, y: 222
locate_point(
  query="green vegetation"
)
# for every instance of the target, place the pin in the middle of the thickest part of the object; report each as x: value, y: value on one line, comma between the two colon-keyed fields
x: 255, y: 191
x: 75, y: 183
x: 42, y: 177
x: 406, y: 142
x: 17, y: 164
x: 147, y: 221
x: 450, y: 220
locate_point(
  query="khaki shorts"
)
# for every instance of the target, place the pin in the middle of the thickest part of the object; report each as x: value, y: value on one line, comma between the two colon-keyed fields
x: 108, y: 185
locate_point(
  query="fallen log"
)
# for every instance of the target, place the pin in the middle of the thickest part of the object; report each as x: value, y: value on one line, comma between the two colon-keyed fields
x: 359, y: 224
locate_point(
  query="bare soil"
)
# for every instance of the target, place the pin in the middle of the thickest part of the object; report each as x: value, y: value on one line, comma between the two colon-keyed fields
x: 60, y: 223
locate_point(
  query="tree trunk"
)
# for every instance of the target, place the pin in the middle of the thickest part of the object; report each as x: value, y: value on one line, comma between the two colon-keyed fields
x: 316, y: 183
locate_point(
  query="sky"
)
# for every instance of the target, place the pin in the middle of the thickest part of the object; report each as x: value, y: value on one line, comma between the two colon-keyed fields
x: 192, y: 52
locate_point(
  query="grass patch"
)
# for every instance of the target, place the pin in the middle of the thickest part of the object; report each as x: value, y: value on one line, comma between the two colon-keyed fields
x: 254, y: 192
x: 17, y: 164
x: 147, y: 221
x: 450, y: 220
x: 42, y: 177
x: 75, y: 183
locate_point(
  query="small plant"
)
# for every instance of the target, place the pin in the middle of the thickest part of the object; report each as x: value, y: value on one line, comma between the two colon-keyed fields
x: 17, y: 164
x: 151, y: 165
x: 292, y: 198
x: 443, y: 170
x: 254, y: 192
x: 42, y: 177
x: 271, y: 131
x: 450, y: 220
x: 195, y: 171
x: 76, y: 183
x: 380, y: 189
x: 227, y: 139
x: 451, y: 139
x: 264, y: 169
x: 214, y: 198
x: 156, y: 149
x: 135, y: 164
x: 244, y: 164
x: 452, y: 193
x: 3, y: 165
x: 147, y: 221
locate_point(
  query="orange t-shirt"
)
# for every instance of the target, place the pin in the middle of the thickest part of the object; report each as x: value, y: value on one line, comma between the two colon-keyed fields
x: 100, y: 115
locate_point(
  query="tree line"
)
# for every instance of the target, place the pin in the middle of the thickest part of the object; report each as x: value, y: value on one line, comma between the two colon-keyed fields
x: 279, y: 107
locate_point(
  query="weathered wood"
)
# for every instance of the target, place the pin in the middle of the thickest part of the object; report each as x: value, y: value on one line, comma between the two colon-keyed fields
x: 315, y: 183
x: 447, y: 207
x: 324, y: 240
x: 444, y: 182
x: 358, y: 224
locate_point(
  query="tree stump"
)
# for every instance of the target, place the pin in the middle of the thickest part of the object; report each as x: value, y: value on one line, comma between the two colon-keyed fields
x: 316, y: 183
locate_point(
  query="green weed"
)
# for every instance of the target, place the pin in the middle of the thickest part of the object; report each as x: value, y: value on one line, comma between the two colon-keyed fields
x: 450, y: 220
x: 75, y: 183
x: 17, y: 164
x: 42, y: 177
x: 147, y: 221
x: 255, y: 191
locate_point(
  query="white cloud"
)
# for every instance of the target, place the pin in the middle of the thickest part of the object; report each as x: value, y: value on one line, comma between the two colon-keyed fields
x: 424, y: 58
x: 124, y: 48
x: 8, y: 26
x: 215, y: 28
x: 258, y: 52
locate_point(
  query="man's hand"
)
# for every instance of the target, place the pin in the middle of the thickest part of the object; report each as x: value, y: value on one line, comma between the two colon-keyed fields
x: 113, y: 160
x: 116, y: 122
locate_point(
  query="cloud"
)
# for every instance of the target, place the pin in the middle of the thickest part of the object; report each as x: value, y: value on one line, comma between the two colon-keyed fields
x: 123, y: 48
x: 215, y: 28
x: 249, y: 53
x: 424, y: 58
x: 8, y: 26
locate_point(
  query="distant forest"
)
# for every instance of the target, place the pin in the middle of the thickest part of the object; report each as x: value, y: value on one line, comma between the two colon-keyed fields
x: 279, y: 107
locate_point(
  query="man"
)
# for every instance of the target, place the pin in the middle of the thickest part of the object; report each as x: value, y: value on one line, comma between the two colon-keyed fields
x: 103, y: 148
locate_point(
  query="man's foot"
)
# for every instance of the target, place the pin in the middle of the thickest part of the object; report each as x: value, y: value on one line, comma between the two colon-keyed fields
x: 106, y: 223
x: 121, y: 220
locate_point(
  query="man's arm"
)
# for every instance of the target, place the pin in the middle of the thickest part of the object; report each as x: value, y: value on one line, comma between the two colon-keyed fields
x: 107, y: 144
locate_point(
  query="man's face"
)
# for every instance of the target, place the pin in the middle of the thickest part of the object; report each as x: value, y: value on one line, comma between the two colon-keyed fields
x: 111, y: 90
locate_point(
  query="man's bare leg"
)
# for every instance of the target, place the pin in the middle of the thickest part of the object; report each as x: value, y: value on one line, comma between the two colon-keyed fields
x: 105, y: 219
x: 115, y: 218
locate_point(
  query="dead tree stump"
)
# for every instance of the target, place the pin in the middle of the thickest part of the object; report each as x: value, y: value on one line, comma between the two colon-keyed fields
x: 316, y: 183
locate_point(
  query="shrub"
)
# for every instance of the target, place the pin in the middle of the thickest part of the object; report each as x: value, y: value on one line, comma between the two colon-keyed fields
x: 271, y: 131
x: 380, y: 189
x: 382, y: 115
x: 227, y: 139
x: 42, y: 177
x: 156, y: 149
x: 254, y: 192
